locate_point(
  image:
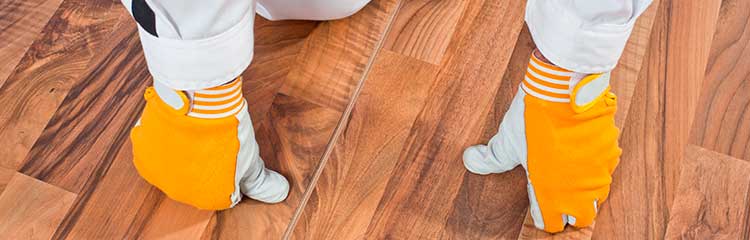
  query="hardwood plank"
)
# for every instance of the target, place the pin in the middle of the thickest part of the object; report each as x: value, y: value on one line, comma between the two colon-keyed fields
x: 419, y: 196
x: 636, y: 205
x: 116, y: 206
x: 712, y: 198
x: 210, y: 231
x: 277, y: 44
x: 32, y: 209
x: 85, y: 146
x: 292, y: 140
x: 626, y: 74
x: 5, y: 176
x: 494, y: 206
x: 691, y: 25
x: 21, y: 23
x: 489, y: 207
x: 423, y: 28
x: 94, y: 118
x: 722, y: 120
x: 336, y: 55
x: 174, y: 220
x: 354, y: 178
x: 53, y: 64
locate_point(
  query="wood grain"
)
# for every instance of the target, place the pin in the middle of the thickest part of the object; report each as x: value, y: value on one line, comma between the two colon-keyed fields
x: 20, y: 24
x: 423, y: 28
x: 494, y: 206
x: 434, y: 80
x: 636, y: 206
x: 93, y: 119
x: 429, y: 164
x: 712, y: 198
x: 5, y: 176
x: 336, y: 55
x: 32, y: 209
x: 691, y: 25
x: 292, y: 140
x: 277, y: 44
x: 626, y: 74
x: 118, y: 204
x: 529, y: 231
x: 368, y: 149
x: 53, y: 64
x: 174, y: 220
x: 722, y: 120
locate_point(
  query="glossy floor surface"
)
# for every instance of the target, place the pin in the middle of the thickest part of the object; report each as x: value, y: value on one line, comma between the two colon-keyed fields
x: 367, y: 116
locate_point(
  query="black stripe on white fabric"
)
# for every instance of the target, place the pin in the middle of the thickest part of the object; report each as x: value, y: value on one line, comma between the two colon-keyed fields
x: 145, y: 16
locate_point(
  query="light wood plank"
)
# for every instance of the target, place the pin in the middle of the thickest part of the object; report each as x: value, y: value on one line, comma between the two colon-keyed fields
x: 32, y: 209
x: 712, y: 198
x: 636, y: 206
x: 337, y: 54
x: 5, y: 176
x: 691, y: 28
x: 21, y: 22
x: 354, y: 178
x: 626, y: 74
x: 419, y: 196
x: 174, y: 220
x: 423, y: 28
x: 722, y: 120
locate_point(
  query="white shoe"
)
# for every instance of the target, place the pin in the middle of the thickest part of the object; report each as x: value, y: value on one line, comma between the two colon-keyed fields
x: 478, y: 159
x: 268, y: 187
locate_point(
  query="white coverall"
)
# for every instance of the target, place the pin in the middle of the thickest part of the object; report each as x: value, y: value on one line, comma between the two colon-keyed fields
x: 192, y: 45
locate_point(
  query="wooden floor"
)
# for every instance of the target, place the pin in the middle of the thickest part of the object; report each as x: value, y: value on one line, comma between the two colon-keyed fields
x: 368, y: 116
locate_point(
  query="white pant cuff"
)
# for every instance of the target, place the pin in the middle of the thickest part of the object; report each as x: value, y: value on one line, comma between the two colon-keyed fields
x: 201, y: 63
x: 571, y: 45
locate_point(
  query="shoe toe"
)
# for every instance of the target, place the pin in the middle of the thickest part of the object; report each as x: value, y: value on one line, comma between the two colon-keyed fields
x: 274, y: 189
x: 475, y: 160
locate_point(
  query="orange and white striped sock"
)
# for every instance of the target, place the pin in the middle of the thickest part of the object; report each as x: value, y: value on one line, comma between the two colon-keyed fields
x: 546, y: 81
x: 218, y: 102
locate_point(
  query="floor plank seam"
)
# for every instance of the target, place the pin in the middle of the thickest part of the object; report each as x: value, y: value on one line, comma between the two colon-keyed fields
x: 341, y: 126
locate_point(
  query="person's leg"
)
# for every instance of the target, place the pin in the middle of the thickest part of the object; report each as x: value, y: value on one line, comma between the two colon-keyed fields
x: 560, y: 125
x: 318, y: 10
x: 195, y: 139
x: 583, y: 36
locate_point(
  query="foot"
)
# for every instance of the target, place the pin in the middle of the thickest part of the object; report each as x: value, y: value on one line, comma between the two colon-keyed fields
x: 478, y: 159
x: 269, y: 187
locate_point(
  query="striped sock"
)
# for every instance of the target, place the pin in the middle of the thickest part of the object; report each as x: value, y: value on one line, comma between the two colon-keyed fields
x: 218, y: 102
x: 546, y: 81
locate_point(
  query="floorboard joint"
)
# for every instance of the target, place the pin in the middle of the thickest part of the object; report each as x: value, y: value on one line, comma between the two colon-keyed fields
x: 341, y: 125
